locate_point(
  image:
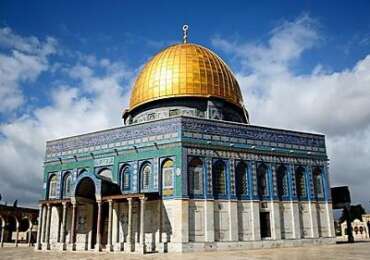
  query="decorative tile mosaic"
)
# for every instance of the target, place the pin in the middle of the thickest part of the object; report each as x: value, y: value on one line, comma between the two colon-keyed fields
x: 98, y: 140
x: 232, y: 176
x: 209, y: 175
x: 223, y: 132
x: 256, y: 133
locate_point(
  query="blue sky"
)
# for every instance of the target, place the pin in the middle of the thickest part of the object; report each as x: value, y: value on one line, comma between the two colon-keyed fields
x: 134, y: 30
x: 116, y: 28
x: 66, y: 67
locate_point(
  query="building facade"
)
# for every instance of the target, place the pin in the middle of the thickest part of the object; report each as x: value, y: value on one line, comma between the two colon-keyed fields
x: 360, y: 228
x: 18, y: 226
x: 186, y: 172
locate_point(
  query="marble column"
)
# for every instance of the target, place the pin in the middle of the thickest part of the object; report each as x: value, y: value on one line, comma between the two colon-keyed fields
x: 160, y: 247
x: 128, y: 244
x: 17, y: 233
x: 142, y: 225
x: 160, y: 221
x: 39, y: 229
x: 116, y: 231
x: 2, y: 232
x: 137, y: 237
x: 43, y: 227
x: 59, y: 223
x: 73, y: 227
x: 30, y: 233
x: 110, y: 215
x: 48, y: 220
x: 64, y: 218
x: 98, y: 237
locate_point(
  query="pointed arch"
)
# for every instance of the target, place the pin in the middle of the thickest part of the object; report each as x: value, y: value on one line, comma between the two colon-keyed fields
x: 86, y: 188
x: 52, y: 186
x: 167, y: 174
x: 125, y: 177
x: 81, y: 171
x: 145, y: 175
x: 317, y: 182
x: 300, y: 182
x: 106, y: 173
x: 241, y: 179
x: 195, y: 177
x: 282, y: 181
x: 98, y: 182
x: 219, y: 178
x: 67, y: 184
x: 262, y: 180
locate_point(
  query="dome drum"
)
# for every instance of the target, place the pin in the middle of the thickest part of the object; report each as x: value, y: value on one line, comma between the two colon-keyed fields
x: 208, y: 108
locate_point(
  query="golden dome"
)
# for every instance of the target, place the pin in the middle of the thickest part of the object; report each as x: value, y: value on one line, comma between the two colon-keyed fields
x: 185, y: 70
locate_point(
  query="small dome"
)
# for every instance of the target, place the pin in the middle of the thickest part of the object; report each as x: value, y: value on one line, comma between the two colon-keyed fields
x: 185, y: 70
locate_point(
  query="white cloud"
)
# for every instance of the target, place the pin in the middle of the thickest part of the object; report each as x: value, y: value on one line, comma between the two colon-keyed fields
x: 23, y: 60
x: 94, y: 101
x: 30, y: 45
x: 286, y: 44
x: 334, y: 103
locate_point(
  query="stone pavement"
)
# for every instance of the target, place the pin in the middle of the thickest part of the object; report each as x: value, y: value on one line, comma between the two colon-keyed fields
x: 358, y: 251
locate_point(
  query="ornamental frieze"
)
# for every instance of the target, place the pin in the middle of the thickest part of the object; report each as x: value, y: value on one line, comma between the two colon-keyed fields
x: 253, y: 132
x: 253, y: 157
x: 101, y: 139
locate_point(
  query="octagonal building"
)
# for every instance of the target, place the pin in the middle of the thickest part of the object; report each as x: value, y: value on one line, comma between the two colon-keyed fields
x: 186, y: 172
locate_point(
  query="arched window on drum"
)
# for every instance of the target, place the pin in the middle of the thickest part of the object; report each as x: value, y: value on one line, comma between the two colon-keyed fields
x: 67, y: 185
x: 241, y: 179
x: 167, y: 174
x: 195, y: 177
x: 53, y: 184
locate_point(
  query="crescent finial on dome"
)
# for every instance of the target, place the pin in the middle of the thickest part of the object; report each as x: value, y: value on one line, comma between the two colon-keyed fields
x: 185, y: 29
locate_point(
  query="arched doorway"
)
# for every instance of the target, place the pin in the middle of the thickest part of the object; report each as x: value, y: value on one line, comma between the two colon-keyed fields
x: 86, y: 214
x: 86, y: 189
x: 11, y: 228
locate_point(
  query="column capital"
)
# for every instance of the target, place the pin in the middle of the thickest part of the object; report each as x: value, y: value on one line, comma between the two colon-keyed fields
x: 129, y: 199
x: 143, y: 198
